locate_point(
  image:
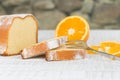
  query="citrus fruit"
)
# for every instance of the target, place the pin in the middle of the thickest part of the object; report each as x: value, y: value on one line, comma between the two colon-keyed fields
x: 117, y: 54
x: 113, y: 50
x: 75, y: 27
x: 98, y: 48
x: 110, y: 46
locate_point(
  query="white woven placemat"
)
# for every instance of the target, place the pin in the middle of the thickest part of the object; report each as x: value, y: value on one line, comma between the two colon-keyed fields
x: 94, y: 67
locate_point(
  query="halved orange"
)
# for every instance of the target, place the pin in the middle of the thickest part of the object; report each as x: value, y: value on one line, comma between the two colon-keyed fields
x: 75, y: 27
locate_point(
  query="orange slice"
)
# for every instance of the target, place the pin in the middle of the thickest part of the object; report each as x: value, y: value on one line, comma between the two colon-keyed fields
x: 98, y: 48
x: 110, y: 47
x: 75, y: 27
x: 109, y: 44
x: 113, y: 50
x: 117, y: 54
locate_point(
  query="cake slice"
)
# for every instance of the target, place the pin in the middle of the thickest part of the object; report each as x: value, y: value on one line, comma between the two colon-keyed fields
x: 41, y: 47
x: 65, y: 54
x: 17, y: 32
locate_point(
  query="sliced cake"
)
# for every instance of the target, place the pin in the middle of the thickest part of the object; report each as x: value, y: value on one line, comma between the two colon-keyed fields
x: 17, y: 32
x: 64, y: 54
x: 42, y: 47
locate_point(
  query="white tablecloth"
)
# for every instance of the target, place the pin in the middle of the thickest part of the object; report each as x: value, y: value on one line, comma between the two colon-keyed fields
x: 94, y: 67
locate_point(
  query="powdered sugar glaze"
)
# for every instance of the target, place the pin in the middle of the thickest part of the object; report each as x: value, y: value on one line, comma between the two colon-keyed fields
x: 6, y: 20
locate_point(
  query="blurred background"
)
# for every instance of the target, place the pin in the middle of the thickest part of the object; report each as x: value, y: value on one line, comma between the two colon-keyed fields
x: 101, y: 14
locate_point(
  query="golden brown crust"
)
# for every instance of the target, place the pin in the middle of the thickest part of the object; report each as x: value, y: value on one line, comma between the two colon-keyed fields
x: 65, y: 54
x: 4, y: 29
x: 34, y: 50
x: 5, y: 25
x: 39, y: 48
x: 7, y: 54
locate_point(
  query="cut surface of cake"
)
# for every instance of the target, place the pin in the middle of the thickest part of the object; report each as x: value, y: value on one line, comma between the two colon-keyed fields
x: 17, y: 31
x: 65, y: 54
x: 41, y: 47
